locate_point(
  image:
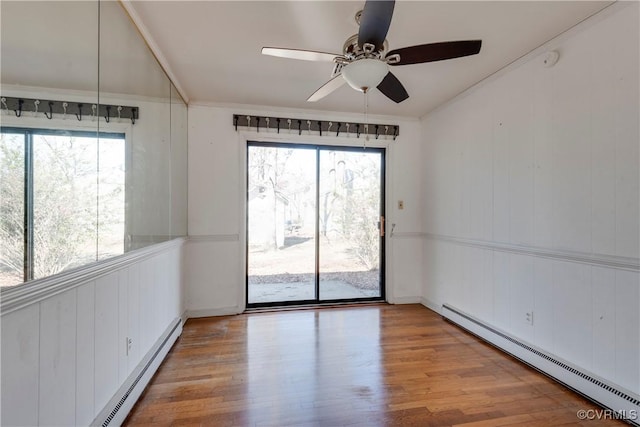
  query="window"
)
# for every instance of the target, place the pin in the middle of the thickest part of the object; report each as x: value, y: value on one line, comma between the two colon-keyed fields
x: 62, y: 201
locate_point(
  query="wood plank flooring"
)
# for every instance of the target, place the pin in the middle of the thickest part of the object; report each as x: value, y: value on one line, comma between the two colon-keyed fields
x: 378, y: 365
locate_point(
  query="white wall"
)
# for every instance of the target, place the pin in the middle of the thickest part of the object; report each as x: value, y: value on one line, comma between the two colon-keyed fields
x: 215, y: 252
x: 532, y: 199
x: 65, y: 356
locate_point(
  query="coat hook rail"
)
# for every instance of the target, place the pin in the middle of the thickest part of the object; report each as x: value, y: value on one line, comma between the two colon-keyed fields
x: 59, y: 109
x: 314, y: 127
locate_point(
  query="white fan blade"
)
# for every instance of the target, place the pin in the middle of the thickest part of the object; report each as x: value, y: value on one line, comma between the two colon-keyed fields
x: 305, y: 55
x: 327, y: 88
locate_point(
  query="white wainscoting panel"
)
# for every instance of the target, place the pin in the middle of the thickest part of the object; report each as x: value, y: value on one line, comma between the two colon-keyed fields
x: 544, y: 325
x: 572, y: 305
x: 147, y: 304
x: 85, y: 354
x: 57, y: 403
x: 20, y: 367
x: 106, y: 343
x: 123, y: 324
x: 64, y: 354
x: 603, y: 319
x: 501, y: 290
x: 521, y: 299
x: 134, y: 317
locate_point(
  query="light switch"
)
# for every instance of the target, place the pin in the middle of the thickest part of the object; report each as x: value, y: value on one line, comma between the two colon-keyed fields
x: 400, y: 204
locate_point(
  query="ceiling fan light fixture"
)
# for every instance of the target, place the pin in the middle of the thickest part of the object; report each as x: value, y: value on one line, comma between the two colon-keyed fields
x: 366, y: 73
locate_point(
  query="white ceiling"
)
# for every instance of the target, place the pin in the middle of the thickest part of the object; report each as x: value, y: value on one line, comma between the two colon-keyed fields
x: 213, y: 47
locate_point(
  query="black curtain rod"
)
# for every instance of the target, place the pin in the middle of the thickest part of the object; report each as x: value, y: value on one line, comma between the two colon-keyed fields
x: 78, y: 109
x: 322, y: 127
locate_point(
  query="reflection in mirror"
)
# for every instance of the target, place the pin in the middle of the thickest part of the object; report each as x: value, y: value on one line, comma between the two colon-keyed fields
x: 48, y: 164
x: 130, y: 74
x: 50, y: 45
x: 12, y: 199
x: 178, y: 164
x: 97, y: 167
x: 111, y: 194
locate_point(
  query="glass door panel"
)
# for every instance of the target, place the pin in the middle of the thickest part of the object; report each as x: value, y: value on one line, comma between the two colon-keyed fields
x: 350, y: 211
x: 281, y: 224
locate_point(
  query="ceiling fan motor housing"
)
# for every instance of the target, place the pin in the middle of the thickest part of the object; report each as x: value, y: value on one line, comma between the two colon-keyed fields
x: 366, y: 73
x: 352, y: 50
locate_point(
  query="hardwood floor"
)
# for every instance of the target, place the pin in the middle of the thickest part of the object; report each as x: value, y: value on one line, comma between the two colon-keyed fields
x: 351, y: 366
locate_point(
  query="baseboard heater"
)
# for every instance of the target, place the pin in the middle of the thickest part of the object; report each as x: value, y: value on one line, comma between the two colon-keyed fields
x: 610, y: 396
x: 117, y: 409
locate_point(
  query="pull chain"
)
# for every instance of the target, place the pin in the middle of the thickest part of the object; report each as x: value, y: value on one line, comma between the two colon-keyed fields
x: 366, y: 119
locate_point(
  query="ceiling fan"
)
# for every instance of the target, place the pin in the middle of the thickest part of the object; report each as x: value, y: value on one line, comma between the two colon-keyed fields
x: 365, y: 60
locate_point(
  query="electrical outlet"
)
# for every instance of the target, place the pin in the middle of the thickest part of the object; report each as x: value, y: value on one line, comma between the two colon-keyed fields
x: 129, y: 344
x: 400, y: 204
x: 529, y: 317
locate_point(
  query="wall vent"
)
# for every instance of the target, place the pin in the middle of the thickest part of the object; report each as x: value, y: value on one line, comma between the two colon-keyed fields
x: 592, y: 387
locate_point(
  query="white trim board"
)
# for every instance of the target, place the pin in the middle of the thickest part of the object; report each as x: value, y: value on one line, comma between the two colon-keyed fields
x: 609, y: 261
x: 405, y: 300
x: 213, y: 312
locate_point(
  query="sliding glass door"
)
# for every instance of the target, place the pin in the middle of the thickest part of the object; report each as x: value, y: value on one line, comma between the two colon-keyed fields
x: 315, y: 224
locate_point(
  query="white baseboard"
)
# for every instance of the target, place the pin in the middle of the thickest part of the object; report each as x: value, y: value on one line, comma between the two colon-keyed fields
x: 117, y: 409
x: 212, y: 312
x: 431, y: 305
x: 406, y: 300
x: 607, y: 394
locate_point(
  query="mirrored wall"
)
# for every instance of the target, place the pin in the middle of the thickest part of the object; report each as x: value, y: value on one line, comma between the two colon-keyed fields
x: 93, y: 148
